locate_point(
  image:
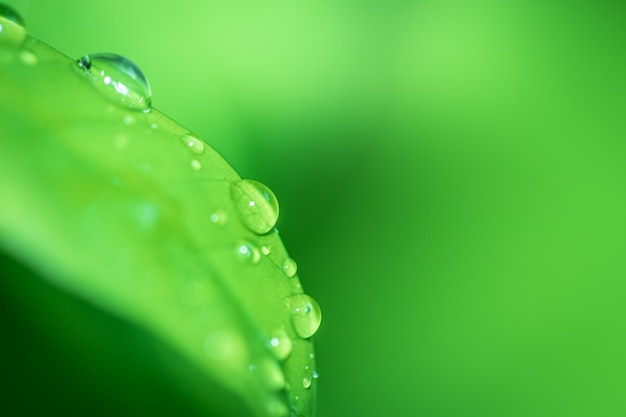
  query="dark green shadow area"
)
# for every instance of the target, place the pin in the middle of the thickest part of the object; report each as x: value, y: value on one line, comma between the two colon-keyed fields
x: 62, y: 356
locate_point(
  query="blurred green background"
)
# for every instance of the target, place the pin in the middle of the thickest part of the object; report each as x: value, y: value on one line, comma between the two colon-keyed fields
x: 451, y: 178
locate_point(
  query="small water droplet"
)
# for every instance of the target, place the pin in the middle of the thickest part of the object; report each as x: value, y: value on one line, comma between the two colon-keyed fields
x: 257, y: 205
x: 315, y: 375
x: 306, y: 315
x: 306, y: 382
x: 280, y: 344
x: 128, y: 120
x: 12, y: 27
x: 196, y: 165
x: 119, y: 79
x: 290, y: 267
x: 247, y: 252
x: 265, y: 250
x: 28, y: 58
x: 218, y: 217
x: 193, y: 142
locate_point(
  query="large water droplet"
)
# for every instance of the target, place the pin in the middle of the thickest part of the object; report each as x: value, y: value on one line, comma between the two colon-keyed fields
x: 306, y: 382
x: 257, y: 205
x: 194, y: 143
x: 119, y: 79
x: 306, y: 315
x: 280, y: 344
x: 12, y: 28
x: 290, y: 267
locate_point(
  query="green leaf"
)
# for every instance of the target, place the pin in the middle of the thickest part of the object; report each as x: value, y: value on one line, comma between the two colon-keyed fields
x: 133, y: 213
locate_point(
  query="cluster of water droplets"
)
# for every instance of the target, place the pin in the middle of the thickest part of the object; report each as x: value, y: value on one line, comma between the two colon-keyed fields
x: 123, y: 82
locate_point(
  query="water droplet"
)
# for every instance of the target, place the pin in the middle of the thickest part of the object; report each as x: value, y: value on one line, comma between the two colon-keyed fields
x: 196, y: 165
x: 218, y: 217
x: 194, y: 143
x: 257, y: 205
x: 28, y: 58
x: 306, y: 315
x: 315, y: 375
x: 128, y: 120
x: 265, y: 250
x: 290, y: 267
x: 306, y: 382
x: 280, y: 344
x: 12, y: 27
x: 119, y: 79
x: 246, y: 251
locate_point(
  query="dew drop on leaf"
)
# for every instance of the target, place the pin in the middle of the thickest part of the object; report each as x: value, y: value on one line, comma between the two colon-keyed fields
x: 218, y: 217
x: 256, y: 204
x: 28, y: 58
x: 119, y: 79
x: 265, y: 250
x: 290, y: 267
x: 193, y: 142
x: 306, y: 315
x: 306, y: 382
x: 12, y: 28
x: 247, y: 252
x: 280, y: 344
x: 196, y: 165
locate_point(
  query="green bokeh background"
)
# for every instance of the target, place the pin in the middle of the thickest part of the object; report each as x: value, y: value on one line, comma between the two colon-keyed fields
x: 451, y: 178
